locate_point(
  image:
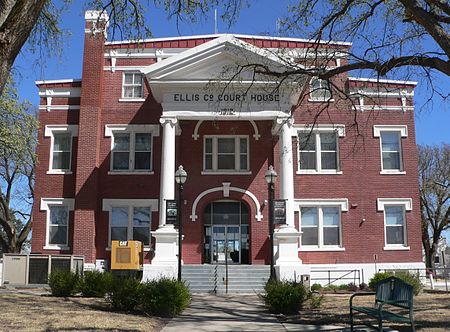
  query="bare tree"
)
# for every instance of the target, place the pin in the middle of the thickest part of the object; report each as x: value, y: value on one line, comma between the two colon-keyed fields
x: 18, y: 136
x: 434, y: 181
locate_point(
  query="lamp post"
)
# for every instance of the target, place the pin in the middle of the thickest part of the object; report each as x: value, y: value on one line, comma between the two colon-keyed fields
x: 270, y: 177
x: 180, y: 178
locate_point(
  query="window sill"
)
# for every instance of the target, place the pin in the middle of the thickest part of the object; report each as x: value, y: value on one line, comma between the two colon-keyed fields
x: 313, y: 100
x: 57, y: 172
x: 56, y: 247
x: 393, y: 172
x: 313, y: 248
x: 130, y: 173
x: 393, y: 248
x: 225, y: 173
x: 131, y: 100
x: 328, y: 172
x: 146, y: 249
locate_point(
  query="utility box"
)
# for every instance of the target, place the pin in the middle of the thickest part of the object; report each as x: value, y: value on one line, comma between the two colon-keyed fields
x: 126, y: 255
x: 306, y: 281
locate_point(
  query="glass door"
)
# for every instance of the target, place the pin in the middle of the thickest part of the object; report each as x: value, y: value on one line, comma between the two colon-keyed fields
x: 226, y: 244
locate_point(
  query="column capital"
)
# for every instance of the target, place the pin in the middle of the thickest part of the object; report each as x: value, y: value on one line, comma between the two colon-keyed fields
x: 285, y: 120
x: 164, y: 120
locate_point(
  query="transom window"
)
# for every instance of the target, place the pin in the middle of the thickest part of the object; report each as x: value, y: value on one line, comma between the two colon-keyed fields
x: 226, y: 153
x: 318, y: 151
x: 321, y: 226
x: 391, y: 150
x: 319, y: 89
x: 132, y: 86
x: 130, y: 223
x: 131, y: 152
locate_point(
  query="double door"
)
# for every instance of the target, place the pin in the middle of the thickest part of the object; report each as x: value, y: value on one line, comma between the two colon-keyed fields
x: 226, y: 244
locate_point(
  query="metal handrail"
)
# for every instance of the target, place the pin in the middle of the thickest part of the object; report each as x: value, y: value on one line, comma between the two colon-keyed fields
x: 356, y: 276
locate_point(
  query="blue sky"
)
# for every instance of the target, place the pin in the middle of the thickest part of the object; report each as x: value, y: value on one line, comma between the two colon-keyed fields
x: 432, y: 120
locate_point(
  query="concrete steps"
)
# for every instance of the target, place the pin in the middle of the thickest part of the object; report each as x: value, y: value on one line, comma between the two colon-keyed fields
x: 247, y: 279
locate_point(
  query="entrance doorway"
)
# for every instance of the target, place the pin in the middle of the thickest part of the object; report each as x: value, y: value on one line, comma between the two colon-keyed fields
x: 226, y: 236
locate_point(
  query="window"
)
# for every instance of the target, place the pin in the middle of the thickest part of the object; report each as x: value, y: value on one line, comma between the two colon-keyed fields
x: 131, y: 223
x: 391, y: 148
x: 319, y: 90
x: 395, y: 221
x: 132, y: 86
x: 226, y: 153
x: 318, y: 151
x: 320, y: 226
x: 57, y: 234
x: 60, y: 147
x: 58, y: 225
x: 130, y: 219
x: 394, y: 217
x: 131, y: 147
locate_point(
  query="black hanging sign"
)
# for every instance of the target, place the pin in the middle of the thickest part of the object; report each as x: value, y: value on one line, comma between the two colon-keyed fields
x: 171, y: 212
x: 279, y: 211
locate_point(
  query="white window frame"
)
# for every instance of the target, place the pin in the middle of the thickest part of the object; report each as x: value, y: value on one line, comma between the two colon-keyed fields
x: 46, y: 204
x: 407, y: 206
x: 323, y: 85
x: 317, y: 130
x: 110, y: 203
x: 340, y: 203
x: 134, y: 98
x: 402, y: 131
x: 50, y: 131
x: 237, y: 155
x: 132, y: 130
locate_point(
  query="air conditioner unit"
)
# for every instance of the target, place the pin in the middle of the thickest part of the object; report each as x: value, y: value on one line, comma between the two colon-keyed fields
x: 126, y: 255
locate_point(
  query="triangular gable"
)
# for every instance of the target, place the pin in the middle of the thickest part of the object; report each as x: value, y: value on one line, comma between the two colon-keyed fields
x: 211, y: 59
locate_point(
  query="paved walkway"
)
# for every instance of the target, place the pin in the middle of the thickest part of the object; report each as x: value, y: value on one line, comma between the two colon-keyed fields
x: 233, y: 313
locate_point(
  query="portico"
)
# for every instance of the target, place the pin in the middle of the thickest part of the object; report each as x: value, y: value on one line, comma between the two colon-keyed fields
x: 200, y: 85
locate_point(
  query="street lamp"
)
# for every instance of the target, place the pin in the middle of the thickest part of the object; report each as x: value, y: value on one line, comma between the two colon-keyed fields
x: 180, y: 178
x: 270, y: 177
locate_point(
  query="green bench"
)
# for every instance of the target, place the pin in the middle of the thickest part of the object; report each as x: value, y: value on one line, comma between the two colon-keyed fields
x: 391, y: 292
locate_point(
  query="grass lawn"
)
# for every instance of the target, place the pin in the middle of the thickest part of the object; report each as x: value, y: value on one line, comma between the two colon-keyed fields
x: 431, y: 312
x: 27, y: 312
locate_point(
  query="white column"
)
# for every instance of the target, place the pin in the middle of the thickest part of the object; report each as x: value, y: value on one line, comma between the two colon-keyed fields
x: 286, y: 170
x: 167, y: 189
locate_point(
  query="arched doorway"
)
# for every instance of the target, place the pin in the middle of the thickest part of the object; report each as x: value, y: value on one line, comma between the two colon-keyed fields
x: 226, y: 233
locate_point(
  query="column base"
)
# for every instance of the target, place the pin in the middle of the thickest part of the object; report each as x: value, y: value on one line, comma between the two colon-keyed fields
x: 166, y: 246
x: 286, y: 239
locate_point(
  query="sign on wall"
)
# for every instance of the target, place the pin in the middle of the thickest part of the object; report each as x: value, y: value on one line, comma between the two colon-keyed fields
x: 171, y: 212
x: 279, y: 211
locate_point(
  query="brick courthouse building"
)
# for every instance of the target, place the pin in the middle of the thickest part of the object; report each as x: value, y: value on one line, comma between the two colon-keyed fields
x: 110, y: 143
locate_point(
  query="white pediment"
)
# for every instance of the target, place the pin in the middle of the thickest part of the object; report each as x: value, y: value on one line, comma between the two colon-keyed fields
x: 220, y: 75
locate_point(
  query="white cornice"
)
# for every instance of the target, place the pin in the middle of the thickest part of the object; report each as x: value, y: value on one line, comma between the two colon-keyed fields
x: 305, y: 202
x: 379, y: 80
x: 382, y: 202
x: 69, y: 80
x: 403, y: 129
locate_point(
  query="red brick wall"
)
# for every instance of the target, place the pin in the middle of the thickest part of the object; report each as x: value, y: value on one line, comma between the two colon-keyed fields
x: 359, y: 155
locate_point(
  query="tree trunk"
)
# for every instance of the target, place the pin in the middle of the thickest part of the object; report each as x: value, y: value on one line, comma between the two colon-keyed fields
x: 18, y: 21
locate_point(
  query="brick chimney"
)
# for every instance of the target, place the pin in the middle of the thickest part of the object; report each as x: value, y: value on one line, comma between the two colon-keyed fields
x: 87, y: 205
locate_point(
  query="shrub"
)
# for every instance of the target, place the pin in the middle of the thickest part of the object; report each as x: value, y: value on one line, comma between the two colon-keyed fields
x: 125, y: 293
x: 352, y: 287
x: 316, y: 300
x: 164, y: 297
x: 96, y: 284
x: 63, y: 283
x: 409, y: 278
x: 363, y: 286
x: 316, y: 287
x: 342, y: 287
x: 378, y: 277
x: 284, y: 297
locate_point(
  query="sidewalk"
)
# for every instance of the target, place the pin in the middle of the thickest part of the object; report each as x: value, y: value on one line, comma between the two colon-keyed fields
x: 233, y: 313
